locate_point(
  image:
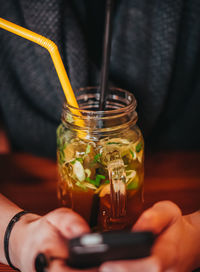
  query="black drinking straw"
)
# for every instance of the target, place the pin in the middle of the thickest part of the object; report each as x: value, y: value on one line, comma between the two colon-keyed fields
x: 106, y: 53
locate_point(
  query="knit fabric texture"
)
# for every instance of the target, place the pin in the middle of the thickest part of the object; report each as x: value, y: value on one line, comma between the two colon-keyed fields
x: 155, y: 55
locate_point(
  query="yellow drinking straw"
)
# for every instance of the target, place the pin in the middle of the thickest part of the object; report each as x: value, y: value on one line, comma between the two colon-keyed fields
x: 55, y: 55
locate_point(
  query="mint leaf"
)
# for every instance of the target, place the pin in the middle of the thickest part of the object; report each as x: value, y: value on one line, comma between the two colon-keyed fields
x: 64, y: 146
x: 132, y: 153
x: 107, y: 181
x: 61, y: 157
x: 133, y: 185
x: 92, y: 181
x: 59, y: 130
x: 138, y: 147
x: 73, y: 162
x: 88, y: 179
x: 97, y: 180
x: 100, y: 177
x: 77, y: 159
x: 97, y: 158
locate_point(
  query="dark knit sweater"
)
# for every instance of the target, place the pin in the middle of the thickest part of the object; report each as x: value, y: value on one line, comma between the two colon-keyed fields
x: 155, y: 54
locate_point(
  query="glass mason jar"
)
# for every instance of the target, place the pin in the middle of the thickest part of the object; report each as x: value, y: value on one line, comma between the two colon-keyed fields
x: 100, y: 159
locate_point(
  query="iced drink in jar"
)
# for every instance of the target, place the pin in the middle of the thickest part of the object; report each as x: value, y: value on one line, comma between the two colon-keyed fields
x: 101, y: 164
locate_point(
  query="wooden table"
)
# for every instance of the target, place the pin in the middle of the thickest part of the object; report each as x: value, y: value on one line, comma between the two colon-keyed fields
x: 31, y: 182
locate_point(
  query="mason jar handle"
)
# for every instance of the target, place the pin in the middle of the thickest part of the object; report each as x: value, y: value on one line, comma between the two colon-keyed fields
x: 117, y: 177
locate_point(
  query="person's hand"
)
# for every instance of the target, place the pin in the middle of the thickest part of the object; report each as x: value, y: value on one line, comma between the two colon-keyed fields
x: 177, y: 247
x: 47, y: 234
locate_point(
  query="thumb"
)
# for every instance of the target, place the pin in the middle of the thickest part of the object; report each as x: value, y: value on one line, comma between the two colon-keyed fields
x: 161, y: 219
x: 157, y: 218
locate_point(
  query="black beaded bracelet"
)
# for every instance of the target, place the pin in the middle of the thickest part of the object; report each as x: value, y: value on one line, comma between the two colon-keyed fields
x: 9, y: 228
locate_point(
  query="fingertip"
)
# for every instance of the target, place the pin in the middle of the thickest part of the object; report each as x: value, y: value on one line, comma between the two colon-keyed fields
x: 112, y: 266
x: 167, y: 205
x: 146, y: 221
x: 150, y: 264
x: 78, y: 228
x: 69, y: 223
x: 158, y: 217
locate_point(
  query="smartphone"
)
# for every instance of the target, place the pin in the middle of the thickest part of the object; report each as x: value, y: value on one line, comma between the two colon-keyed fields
x: 91, y: 250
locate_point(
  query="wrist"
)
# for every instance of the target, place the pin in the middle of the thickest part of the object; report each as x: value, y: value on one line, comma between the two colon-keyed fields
x: 19, y: 235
